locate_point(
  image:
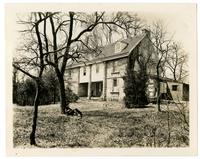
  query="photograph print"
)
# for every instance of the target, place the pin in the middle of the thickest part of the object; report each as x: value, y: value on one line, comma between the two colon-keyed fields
x: 88, y: 76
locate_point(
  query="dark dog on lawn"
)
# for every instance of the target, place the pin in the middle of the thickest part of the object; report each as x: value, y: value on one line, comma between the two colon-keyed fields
x: 73, y: 112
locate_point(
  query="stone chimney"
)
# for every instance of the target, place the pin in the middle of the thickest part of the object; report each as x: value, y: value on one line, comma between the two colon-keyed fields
x: 146, y: 32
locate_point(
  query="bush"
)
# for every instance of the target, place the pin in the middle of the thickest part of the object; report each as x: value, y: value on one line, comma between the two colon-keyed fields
x: 70, y: 95
x: 135, y: 84
x: 24, y: 91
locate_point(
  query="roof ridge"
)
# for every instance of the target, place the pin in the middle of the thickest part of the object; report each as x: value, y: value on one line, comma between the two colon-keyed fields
x: 108, y: 51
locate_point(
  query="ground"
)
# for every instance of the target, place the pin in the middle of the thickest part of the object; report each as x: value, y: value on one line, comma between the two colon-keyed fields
x: 104, y: 124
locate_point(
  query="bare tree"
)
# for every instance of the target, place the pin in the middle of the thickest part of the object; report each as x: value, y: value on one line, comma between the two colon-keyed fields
x: 75, y: 44
x: 137, y: 24
x: 132, y: 23
x: 31, y: 61
x: 161, y: 43
x: 69, y: 37
x: 176, y: 62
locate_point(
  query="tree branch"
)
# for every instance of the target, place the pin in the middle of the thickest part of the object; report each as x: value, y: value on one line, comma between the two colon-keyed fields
x: 25, y: 72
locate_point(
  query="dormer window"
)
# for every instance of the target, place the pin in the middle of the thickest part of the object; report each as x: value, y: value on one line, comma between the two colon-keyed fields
x: 119, y: 46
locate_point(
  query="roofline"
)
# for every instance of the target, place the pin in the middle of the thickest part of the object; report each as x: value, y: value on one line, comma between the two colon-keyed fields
x: 137, y: 43
x: 103, y: 59
x: 166, y: 79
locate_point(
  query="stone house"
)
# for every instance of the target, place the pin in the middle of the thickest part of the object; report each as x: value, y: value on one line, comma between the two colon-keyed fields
x: 102, y: 76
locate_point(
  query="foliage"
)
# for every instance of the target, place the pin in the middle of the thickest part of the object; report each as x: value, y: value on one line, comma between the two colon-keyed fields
x: 135, y: 83
x: 71, y: 96
x: 24, y: 92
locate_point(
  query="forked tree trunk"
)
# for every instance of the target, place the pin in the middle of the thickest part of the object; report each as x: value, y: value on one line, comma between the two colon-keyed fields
x: 35, y: 115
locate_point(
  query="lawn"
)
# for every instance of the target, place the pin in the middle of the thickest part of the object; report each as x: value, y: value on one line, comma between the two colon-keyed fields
x: 104, y: 124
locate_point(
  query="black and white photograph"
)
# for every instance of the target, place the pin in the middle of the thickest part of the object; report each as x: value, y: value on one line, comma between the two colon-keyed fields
x: 119, y: 78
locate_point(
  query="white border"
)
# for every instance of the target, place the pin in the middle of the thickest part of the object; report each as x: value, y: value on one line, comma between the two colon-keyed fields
x: 2, y: 62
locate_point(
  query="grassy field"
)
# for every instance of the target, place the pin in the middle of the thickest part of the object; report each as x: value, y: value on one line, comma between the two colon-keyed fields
x: 103, y: 125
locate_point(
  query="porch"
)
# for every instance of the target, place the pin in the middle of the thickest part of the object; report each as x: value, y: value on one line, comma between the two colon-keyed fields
x: 93, y: 90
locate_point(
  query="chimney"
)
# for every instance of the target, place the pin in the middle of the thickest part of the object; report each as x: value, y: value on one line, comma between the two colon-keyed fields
x: 146, y: 32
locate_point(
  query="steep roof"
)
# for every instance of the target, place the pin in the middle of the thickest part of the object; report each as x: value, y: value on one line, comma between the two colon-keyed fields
x: 109, y: 53
x: 130, y: 43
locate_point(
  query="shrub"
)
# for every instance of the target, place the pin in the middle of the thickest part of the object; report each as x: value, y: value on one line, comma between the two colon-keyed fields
x: 135, y: 83
x: 24, y: 91
x: 70, y: 95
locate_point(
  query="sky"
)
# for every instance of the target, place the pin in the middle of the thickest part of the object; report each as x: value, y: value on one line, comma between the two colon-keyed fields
x: 180, y: 18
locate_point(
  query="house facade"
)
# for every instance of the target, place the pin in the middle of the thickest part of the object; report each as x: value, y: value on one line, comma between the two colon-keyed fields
x: 103, y: 76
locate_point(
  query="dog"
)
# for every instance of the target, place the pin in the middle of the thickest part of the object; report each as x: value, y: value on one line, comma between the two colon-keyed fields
x: 73, y: 112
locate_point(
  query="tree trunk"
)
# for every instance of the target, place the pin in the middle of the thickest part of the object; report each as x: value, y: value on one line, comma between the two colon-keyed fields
x: 158, y: 89
x: 36, y: 103
x: 63, y: 102
x: 54, y: 95
x: 158, y: 95
x: 168, y: 127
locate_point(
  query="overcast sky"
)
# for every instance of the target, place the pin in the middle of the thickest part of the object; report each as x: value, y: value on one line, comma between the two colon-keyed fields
x: 180, y: 18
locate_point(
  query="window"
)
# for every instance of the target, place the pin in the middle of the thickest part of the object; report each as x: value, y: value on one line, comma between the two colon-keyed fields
x: 115, y: 63
x: 97, y: 68
x: 84, y: 71
x: 174, y: 87
x: 120, y: 46
x: 114, y: 82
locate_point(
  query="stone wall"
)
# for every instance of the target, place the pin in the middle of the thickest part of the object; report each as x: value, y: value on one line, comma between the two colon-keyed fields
x: 111, y: 74
x: 116, y: 92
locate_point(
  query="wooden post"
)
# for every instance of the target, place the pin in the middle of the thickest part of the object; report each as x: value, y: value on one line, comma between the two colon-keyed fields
x: 78, y: 81
x: 89, y: 82
x: 104, y: 81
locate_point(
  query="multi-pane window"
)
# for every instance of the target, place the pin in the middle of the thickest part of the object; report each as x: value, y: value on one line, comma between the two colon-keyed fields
x: 114, y: 82
x: 84, y: 71
x: 97, y: 68
x: 115, y: 63
x: 174, y: 87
